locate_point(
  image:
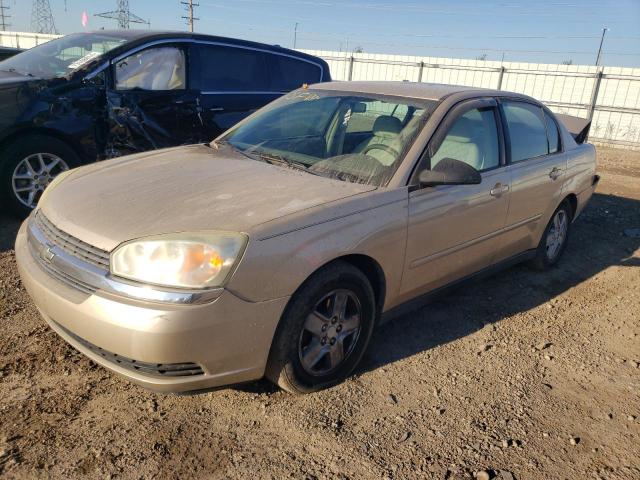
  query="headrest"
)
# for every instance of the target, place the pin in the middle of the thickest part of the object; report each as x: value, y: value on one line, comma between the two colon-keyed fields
x: 386, y: 126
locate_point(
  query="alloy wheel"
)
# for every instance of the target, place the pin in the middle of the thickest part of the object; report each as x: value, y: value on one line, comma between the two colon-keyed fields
x: 557, y: 234
x: 32, y: 175
x: 330, y: 332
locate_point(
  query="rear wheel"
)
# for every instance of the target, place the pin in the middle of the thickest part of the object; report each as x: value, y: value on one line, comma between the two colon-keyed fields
x: 554, y: 239
x: 28, y: 166
x: 324, y: 331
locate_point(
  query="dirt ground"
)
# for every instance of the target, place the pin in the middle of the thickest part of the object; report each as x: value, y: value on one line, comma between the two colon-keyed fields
x: 522, y: 375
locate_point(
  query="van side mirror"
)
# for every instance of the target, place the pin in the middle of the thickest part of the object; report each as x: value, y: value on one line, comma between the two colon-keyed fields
x: 450, y: 171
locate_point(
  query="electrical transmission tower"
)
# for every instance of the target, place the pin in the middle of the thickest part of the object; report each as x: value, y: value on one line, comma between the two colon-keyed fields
x: 42, y: 18
x: 4, y: 16
x: 123, y: 15
x: 190, y: 18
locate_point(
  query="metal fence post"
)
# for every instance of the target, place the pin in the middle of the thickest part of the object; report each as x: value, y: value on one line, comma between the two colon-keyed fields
x: 500, y: 75
x: 594, y: 94
x: 350, y: 71
x: 420, y: 70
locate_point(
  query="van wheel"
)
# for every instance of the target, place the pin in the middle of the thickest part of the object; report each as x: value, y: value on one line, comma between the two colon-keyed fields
x: 324, y: 330
x: 554, y: 239
x: 28, y: 166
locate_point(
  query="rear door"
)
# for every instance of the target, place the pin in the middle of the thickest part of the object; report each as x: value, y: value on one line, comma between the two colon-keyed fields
x: 537, y: 168
x: 454, y: 230
x: 232, y: 82
x: 150, y: 103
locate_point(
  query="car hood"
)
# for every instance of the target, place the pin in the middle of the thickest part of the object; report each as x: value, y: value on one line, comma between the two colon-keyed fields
x: 13, y: 78
x: 190, y: 188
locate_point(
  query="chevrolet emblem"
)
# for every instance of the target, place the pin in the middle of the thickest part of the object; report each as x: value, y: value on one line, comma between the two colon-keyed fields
x: 47, y: 254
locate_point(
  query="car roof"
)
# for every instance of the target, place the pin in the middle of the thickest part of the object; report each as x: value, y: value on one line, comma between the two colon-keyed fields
x: 424, y: 91
x: 139, y: 36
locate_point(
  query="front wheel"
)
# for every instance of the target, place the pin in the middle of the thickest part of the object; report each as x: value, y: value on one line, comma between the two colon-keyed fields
x: 554, y: 239
x: 27, y: 166
x: 324, y: 331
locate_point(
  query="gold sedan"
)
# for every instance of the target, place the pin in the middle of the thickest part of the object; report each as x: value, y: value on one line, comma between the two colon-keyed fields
x: 276, y: 249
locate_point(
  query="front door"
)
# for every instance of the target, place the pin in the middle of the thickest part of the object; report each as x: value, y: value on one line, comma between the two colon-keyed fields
x: 454, y: 230
x: 150, y: 104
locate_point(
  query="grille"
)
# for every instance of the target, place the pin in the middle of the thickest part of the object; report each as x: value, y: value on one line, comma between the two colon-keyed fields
x: 70, y: 244
x: 64, y: 278
x: 186, y: 369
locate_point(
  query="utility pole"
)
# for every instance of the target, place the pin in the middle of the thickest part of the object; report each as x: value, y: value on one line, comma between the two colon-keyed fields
x: 604, y: 30
x: 4, y: 16
x: 123, y: 15
x: 42, y: 18
x: 295, y: 35
x: 190, y: 18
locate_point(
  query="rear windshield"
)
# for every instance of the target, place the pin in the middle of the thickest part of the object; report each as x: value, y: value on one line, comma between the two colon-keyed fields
x: 59, y: 57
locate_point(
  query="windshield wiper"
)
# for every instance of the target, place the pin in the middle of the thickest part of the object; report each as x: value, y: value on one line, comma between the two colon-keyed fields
x: 270, y: 158
x: 275, y: 159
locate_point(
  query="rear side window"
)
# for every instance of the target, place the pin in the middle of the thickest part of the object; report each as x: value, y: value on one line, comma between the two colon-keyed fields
x: 552, y: 133
x: 228, y: 69
x: 289, y: 73
x: 527, y: 131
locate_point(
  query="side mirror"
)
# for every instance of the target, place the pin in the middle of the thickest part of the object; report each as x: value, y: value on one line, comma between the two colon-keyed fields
x: 449, y: 171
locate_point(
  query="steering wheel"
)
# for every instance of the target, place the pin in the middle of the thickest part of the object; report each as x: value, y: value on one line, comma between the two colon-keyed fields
x: 380, y: 146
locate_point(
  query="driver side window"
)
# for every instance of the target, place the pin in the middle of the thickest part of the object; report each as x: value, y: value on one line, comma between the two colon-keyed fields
x: 472, y: 139
x: 152, y: 69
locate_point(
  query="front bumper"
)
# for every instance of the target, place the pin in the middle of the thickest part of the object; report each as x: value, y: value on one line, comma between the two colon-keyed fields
x: 228, y: 338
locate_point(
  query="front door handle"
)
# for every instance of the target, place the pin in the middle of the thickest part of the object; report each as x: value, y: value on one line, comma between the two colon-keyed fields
x: 499, y: 189
x: 555, y: 173
x: 216, y: 109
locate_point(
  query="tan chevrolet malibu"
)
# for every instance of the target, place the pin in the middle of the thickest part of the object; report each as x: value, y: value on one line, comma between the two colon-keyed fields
x: 276, y: 249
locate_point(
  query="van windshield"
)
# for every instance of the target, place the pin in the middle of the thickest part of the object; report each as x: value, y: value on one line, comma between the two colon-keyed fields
x: 354, y: 137
x: 59, y: 57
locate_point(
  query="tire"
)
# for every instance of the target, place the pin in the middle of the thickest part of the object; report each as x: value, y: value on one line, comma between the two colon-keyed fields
x: 547, y: 257
x: 15, y: 177
x: 317, y: 305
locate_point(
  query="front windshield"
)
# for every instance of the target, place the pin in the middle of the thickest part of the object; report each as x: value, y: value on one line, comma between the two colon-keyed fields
x: 62, y: 56
x: 360, y: 138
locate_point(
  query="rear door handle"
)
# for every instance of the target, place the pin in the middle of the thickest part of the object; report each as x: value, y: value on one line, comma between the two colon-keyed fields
x: 555, y: 173
x: 499, y: 189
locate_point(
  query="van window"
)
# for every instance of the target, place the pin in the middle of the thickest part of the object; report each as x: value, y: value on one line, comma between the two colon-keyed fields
x: 229, y: 69
x: 288, y: 73
x: 527, y: 131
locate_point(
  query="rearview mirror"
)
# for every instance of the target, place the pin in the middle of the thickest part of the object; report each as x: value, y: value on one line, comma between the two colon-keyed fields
x: 450, y: 171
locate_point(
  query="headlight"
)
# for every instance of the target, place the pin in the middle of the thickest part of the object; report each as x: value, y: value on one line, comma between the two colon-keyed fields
x: 183, y: 260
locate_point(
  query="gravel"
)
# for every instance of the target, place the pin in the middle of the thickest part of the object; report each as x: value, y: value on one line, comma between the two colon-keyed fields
x: 439, y: 393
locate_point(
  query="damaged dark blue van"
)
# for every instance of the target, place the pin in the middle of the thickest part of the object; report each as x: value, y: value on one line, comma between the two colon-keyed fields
x: 91, y: 96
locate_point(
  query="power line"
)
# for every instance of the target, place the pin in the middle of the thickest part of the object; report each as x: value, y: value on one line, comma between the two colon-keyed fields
x: 42, y: 18
x: 123, y: 15
x: 4, y: 16
x: 190, y: 18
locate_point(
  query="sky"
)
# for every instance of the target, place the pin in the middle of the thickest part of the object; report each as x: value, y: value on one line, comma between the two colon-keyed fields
x: 545, y: 31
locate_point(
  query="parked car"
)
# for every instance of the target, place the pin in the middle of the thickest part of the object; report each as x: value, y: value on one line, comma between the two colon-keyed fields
x: 276, y: 249
x: 6, y: 52
x: 90, y: 96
